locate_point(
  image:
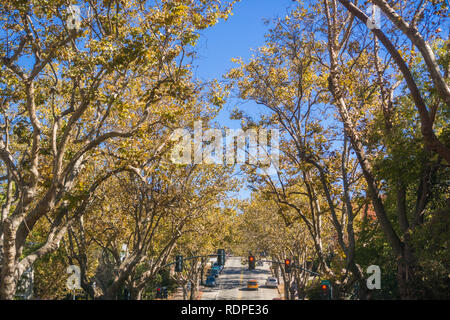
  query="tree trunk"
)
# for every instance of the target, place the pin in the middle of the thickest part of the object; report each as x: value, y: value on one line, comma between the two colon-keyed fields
x: 184, y: 291
x: 8, y: 281
x: 193, y: 294
x: 136, y: 293
x: 286, y: 289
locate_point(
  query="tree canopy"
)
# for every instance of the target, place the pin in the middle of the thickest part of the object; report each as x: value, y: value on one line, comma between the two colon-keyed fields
x: 88, y: 106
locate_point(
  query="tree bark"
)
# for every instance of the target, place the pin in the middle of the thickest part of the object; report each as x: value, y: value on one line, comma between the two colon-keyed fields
x: 8, y: 279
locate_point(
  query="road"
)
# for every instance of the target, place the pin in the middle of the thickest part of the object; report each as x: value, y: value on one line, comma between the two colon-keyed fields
x: 232, y: 283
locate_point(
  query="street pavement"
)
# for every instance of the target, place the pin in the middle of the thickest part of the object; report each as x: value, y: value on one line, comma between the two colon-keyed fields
x: 232, y: 283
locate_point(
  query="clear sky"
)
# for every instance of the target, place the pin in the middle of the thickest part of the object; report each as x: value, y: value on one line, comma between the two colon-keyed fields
x: 235, y: 38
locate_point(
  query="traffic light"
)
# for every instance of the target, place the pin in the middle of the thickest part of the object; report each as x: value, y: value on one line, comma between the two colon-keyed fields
x: 178, y: 263
x: 287, y: 265
x: 325, y: 288
x: 251, y: 263
x: 221, y: 257
x: 165, y: 293
x: 158, y: 293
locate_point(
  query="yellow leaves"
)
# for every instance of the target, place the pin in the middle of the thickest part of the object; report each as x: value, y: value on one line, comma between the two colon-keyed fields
x: 235, y: 73
x: 180, y: 10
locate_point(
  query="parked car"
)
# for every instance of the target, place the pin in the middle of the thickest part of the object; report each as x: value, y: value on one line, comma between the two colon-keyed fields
x: 252, y: 284
x: 215, y: 272
x: 217, y: 265
x: 211, y: 281
x: 218, y: 268
x: 271, y: 282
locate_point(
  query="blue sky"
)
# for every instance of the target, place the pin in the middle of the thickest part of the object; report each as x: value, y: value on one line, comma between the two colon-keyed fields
x: 235, y: 38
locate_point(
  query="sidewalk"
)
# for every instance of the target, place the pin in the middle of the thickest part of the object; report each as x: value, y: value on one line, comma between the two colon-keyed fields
x: 178, y: 294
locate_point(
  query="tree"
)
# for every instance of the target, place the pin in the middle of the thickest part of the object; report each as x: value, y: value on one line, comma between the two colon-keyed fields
x: 81, y: 91
x: 418, y: 40
x: 320, y: 57
x: 339, y: 26
x: 285, y: 78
